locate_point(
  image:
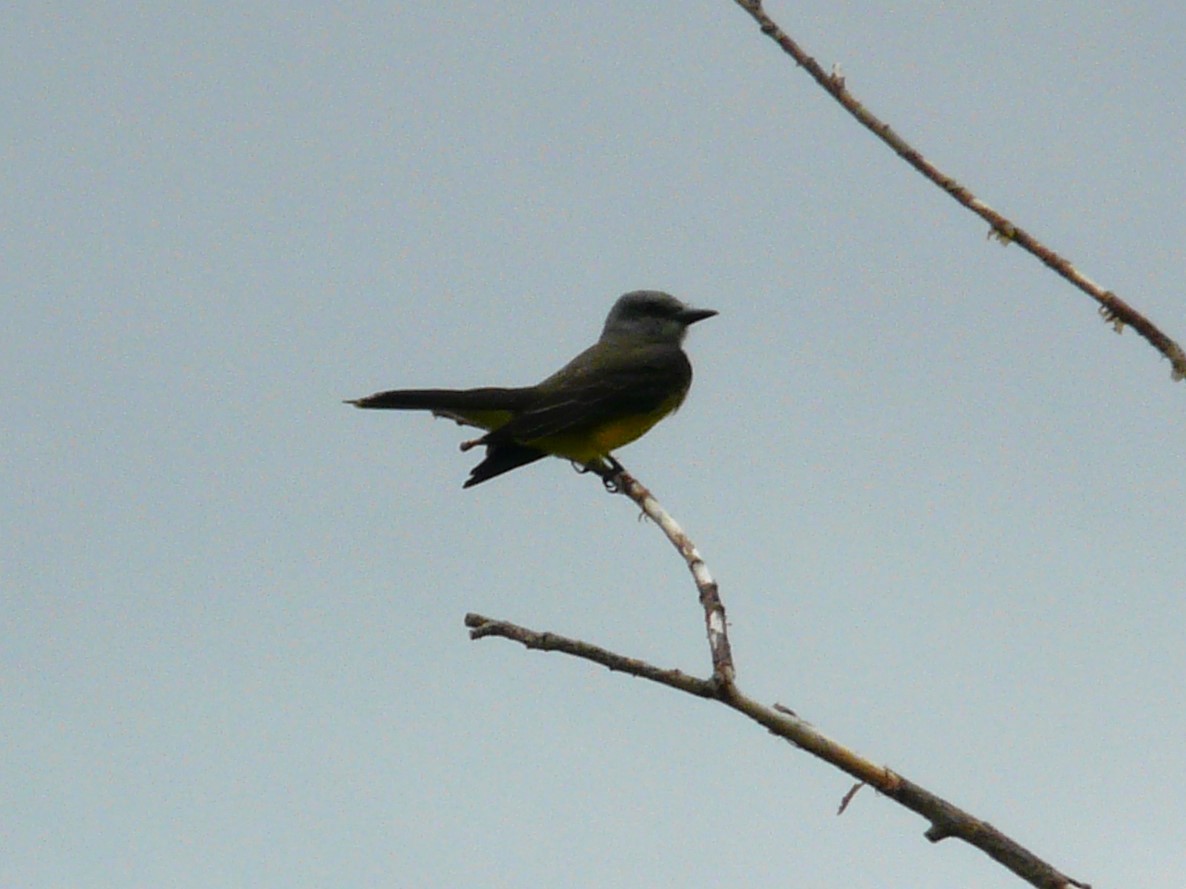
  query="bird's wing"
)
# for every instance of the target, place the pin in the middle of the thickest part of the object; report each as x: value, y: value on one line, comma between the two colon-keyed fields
x: 602, y: 383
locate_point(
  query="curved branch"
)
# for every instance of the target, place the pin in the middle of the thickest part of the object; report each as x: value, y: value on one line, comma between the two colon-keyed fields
x: 618, y: 481
x: 1112, y: 308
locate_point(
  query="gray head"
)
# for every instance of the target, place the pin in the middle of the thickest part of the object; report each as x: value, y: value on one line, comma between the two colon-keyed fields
x: 651, y: 315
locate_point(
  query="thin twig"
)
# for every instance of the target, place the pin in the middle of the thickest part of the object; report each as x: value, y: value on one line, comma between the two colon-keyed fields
x: 1112, y: 308
x: 481, y: 627
x: 619, y: 481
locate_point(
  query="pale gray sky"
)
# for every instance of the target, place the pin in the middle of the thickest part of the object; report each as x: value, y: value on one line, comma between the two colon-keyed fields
x: 943, y: 500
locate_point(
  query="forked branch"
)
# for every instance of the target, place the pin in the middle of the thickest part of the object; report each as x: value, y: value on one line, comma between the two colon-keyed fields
x: 946, y: 820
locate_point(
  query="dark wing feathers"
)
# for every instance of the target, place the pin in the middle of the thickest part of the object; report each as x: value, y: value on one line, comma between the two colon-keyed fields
x: 597, y: 386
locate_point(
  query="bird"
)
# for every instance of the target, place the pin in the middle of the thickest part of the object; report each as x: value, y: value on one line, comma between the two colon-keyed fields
x: 606, y: 397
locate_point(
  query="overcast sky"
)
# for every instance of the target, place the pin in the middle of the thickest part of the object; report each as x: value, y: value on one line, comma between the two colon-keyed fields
x: 944, y: 501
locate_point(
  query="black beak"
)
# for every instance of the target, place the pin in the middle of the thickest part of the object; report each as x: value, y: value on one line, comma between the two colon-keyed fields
x: 691, y: 316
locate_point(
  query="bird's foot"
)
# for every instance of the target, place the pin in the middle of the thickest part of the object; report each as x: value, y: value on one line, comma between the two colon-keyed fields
x: 610, y: 471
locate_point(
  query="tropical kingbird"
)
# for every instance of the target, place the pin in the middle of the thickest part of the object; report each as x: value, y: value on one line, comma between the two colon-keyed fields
x: 609, y: 395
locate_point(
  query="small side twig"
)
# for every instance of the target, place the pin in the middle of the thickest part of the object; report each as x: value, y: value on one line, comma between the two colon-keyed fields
x: 847, y: 798
x: 1112, y: 308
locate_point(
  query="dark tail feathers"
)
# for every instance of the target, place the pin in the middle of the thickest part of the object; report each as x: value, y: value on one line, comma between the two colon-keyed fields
x: 489, y: 398
x: 502, y: 458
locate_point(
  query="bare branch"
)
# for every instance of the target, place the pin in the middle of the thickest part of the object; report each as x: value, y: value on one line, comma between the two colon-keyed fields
x: 481, y: 627
x: 619, y: 481
x: 946, y: 820
x: 1112, y: 308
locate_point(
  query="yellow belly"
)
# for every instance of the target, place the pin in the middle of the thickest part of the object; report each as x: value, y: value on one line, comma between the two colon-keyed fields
x: 592, y: 444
